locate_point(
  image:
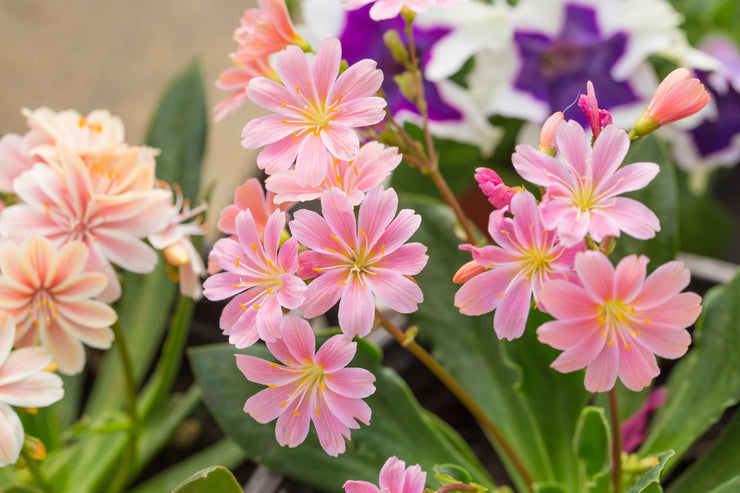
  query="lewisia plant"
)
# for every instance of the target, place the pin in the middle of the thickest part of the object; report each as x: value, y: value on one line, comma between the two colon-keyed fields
x: 550, y: 322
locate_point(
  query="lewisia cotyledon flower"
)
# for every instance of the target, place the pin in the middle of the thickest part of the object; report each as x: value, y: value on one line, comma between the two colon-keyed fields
x: 527, y: 257
x: 67, y: 201
x: 395, y: 477
x: 583, y: 186
x: 452, y: 112
x: 24, y: 383
x: 309, y: 386
x: 616, y: 320
x: 259, y: 275
x: 316, y: 112
x: 49, y: 294
x: 369, y: 168
x: 353, y: 259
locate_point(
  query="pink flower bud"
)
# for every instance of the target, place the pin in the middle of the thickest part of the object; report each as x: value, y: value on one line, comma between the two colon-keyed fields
x: 678, y: 96
x: 547, y: 134
x: 467, y: 272
x: 596, y: 117
x: 493, y: 187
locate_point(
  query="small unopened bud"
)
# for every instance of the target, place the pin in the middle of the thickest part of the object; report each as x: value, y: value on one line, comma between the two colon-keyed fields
x: 393, y: 41
x: 493, y: 187
x: 34, y: 448
x: 31, y: 410
x: 547, y: 134
x: 678, y: 96
x: 407, y: 84
x: 596, y: 117
x: 176, y: 254
x: 467, y: 272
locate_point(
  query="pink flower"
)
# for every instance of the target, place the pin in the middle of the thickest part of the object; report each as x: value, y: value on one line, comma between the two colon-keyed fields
x: 63, y: 202
x: 261, y: 277
x: 15, y: 157
x: 388, y: 9
x: 48, y: 293
x: 597, y: 118
x: 582, y: 187
x: 634, y: 429
x: 236, y: 79
x: 354, y: 259
x: 24, y: 383
x: 310, y: 387
x: 177, y: 248
x: 678, y: 96
x: 527, y: 257
x: 493, y: 187
x: 394, y: 478
x: 265, y: 30
x: 547, y: 133
x: 315, y: 112
x: 617, y: 320
x: 370, y: 167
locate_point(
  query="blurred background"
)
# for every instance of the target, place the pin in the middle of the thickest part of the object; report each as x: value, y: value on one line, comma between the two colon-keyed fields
x: 91, y: 54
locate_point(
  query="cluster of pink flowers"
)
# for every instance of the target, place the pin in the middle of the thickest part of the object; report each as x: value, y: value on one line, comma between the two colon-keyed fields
x: 611, y: 321
x: 276, y: 277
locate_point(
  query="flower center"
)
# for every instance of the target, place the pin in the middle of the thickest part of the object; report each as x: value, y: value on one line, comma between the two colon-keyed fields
x: 537, y: 263
x: 43, y: 310
x: 615, y: 317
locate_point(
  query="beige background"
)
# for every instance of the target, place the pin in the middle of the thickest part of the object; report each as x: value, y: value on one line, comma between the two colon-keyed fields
x: 120, y: 55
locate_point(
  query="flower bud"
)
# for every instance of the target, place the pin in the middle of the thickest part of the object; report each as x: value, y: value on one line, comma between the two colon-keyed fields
x: 547, y: 134
x: 597, y: 118
x: 176, y: 254
x: 493, y: 187
x: 393, y: 41
x: 467, y: 272
x: 678, y: 96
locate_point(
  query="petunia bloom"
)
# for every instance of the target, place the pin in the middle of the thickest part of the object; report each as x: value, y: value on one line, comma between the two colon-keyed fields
x: 583, y: 187
x: 316, y: 112
x: 259, y: 275
x: 395, y: 477
x: 616, y: 320
x: 527, y: 257
x: 354, y: 259
x: 24, y: 383
x: 310, y: 386
x: 48, y: 293
x: 678, y: 96
x: 373, y: 164
x: 388, y: 9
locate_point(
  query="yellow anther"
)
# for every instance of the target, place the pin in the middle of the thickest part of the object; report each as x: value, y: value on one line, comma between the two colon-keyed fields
x: 317, y: 411
x: 254, y: 247
x: 284, y: 104
x: 272, y: 386
x: 334, y: 237
x: 342, y: 283
x: 236, y: 264
x: 501, y: 294
x: 43, y: 302
x: 295, y: 412
x: 610, y: 343
x: 363, y: 233
x: 647, y: 321
x: 241, y: 305
x: 283, y: 404
x: 332, y: 250
x: 51, y: 367
x: 318, y: 269
x: 274, y: 365
x: 627, y: 346
x: 297, y: 90
x: 257, y: 307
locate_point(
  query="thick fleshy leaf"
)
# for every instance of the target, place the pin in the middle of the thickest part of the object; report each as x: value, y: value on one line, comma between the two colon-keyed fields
x: 592, y: 441
x: 647, y: 481
x: 399, y: 426
x: 216, y: 479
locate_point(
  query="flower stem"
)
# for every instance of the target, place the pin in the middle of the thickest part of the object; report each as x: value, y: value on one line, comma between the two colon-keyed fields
x: 37, y: 473
x: 616, y: 441
x: 451, y: 200
x: 459, y: 392
x: 118, y: 483
x: 456, y: 487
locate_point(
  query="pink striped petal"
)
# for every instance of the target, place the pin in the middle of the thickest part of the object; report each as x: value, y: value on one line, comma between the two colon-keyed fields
x: 38, y: 390
x: 399, y: 231
x: 681, y: 310
x: 562, y: 334
x: 565, y: 300
x: 85, y: 285
x: 292, y: 67
x: 408, y: 259
x: 340, y: 217
x: 637, y: 367
x: 483, y: 293
x: 395, y: 290
x: 664, y: 340
x: 601, y: 374
x: 280, y: 155
x: 628, y: 178
x: 341, y: 141
x: 88, y: 313
x: 326, y: 67
x: 539, y: 168
x: 7, y: 337
x: 361, y: 112
x: 124, y: 250
x: 291, y: 294
x: 97, y: 337
x: 312, y: 161
x: 311, y: 230
x: 665, y: 282
x: 355, y: 383
x: 323, y: 293
x: 330, y: 430
x: 335, y: 354
x: 264, y: 372
x: 66, y: 351
x: 269, y: 95
x: 11, y: 435
x: 298, y: 337
x: 291, y: 428
x: 582, y: 354
x: 609, y: 152
x: 360, y: 487
x: 267, y: 404
x: 376, y: 213
x: 347, y: 411
x: 629, y: 276
x: 269, y: 319
x: 23, y: 362
x: 596, y: 273
x: 511, y: 315
x: 574, y: 148
x: 634, y: 218
x: 360, y: 80
x: 356, y: 308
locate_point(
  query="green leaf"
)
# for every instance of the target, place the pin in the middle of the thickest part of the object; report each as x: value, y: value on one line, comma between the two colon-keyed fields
x: 731, y: 486
x: 706, y: 224
x: 20, y: 489
x: 719, y: 463
x: 512, y: 381
x: 709, y: 375
x: 179, y: 129
x: 399, y: 425
x: 549, y: 487
x: 592, y: 441
x: 661, y: 197
x: 215, y: 479
x: 226, y: 453
x: 651, y: 479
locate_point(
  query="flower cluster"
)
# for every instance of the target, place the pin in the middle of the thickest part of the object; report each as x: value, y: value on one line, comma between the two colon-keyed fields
x: 83, y: 203
x: 611, y: 321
